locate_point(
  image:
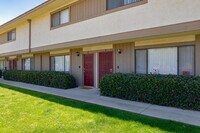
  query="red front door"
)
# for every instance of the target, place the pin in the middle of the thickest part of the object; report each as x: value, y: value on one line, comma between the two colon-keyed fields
x: 89, y: 69
x: 105, y: 64
x: 13, y: 65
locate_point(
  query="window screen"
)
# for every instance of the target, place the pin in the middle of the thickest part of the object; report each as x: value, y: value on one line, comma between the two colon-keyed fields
x: 11, y: 35
x: 141, y: 61
x: 130, y: 1
x: 186, y: 60
x: 111, y: 4
x: 162, y: 61
x: 55, y: 19
x: 60, y: 63
x: 64, y: 16
x: 28, y: 64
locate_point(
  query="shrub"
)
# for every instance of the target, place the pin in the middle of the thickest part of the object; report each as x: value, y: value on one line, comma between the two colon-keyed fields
x: 50, y: 79
x: 1, y: 73
x: 168, y: 90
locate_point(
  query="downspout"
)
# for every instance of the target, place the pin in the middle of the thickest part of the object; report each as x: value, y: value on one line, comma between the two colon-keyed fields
x: 29, y: 48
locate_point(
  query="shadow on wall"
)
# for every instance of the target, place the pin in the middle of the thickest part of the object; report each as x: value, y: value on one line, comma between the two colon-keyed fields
x: 122, y: 115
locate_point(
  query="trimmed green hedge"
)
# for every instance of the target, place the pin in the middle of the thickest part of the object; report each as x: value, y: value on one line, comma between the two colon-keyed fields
x: 174, y: 91
x: 47, y: 78
x: 1, y: 73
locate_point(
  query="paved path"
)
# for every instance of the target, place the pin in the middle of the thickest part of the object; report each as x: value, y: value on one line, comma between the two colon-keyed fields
x: 93, y: 96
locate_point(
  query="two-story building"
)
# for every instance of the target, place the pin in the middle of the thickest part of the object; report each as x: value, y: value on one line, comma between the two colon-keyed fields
x: 91, y: 38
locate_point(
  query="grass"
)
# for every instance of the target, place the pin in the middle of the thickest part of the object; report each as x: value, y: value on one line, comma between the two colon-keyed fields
x: 28, y: 111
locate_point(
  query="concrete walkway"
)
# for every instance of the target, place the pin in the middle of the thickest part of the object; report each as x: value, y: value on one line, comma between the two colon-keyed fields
x: 93, y: 96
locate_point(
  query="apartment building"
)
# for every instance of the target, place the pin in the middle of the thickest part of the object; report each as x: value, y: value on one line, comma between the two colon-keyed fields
x: 91, y: 38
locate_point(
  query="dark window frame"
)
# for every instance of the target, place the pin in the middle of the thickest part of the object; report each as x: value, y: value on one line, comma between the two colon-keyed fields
x: 121, y: 5
x: 59, y: 13
x: 9, y: 35
x: 53, y: 69
x: 32, y: 64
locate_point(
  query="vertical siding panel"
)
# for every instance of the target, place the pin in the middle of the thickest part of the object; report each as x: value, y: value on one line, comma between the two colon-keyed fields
x: 3, y: 38
x: 86, y: 9
x: 45, y: 62
x: 38, y: 62
x: 19, y: 63
x: 125, y: 59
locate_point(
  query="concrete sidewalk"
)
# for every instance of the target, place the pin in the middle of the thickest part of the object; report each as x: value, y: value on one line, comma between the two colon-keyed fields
x: 93, y: 96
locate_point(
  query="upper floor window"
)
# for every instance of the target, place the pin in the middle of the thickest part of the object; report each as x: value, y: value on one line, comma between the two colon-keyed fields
x: 111, y: 4
x: 60, y: 17
x: 12, y: 35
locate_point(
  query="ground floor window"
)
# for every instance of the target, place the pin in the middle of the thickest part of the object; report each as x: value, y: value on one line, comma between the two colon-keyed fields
x: 172, y: 60
x: 60, y: 63
x: 162, y: 61
x: 28, y: 64
x: 2, y: 65
x: 12, y: 64
x: 186, y: 60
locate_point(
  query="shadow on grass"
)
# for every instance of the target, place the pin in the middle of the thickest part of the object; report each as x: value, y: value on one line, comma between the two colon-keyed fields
x: 165, y: 125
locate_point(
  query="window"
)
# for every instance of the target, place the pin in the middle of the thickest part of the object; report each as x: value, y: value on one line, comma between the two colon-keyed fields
x: 28, y: 64
x: 111, y: 4
x: 60, y: 63
x: 186, y: 60
x: 2, y: 65
x: 60, y: 17
x: 11, y: 35
x: 141, y: 61
x: 126, y: 2
x: 162, y: 61
x: 172, y: 60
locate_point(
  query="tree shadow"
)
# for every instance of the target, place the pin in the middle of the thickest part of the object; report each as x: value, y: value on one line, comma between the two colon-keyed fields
x: 165, y: 125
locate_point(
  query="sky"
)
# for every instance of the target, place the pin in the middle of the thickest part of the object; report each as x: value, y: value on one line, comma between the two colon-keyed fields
x: 10, y: 9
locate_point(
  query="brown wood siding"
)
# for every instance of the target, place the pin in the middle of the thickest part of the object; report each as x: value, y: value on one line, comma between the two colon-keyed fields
x: 45, y: 62
x: 124, y: 61
x: 19, y: 63
x: 38, y: 62
x: 3, y: 38
x: 86, y: 9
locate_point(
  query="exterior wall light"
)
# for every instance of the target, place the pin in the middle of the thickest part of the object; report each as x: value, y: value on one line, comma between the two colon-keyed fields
x: 119, y: 51
x: 78, y: 53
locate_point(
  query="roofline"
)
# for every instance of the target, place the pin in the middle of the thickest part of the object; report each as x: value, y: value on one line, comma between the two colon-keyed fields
x: 27, y: 13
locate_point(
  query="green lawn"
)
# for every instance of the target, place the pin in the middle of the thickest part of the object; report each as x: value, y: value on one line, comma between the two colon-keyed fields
x: 28, y: 111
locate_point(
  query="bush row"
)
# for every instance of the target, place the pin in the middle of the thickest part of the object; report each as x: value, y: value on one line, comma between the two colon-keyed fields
x: 50, y: 79
x: 1, y: 73
x: 175, y: 91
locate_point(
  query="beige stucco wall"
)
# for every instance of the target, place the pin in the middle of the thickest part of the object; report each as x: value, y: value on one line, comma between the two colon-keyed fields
x: 124, y: 62
x: 153, y: 14
x: 77, y: 66
x: 21, y: 42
